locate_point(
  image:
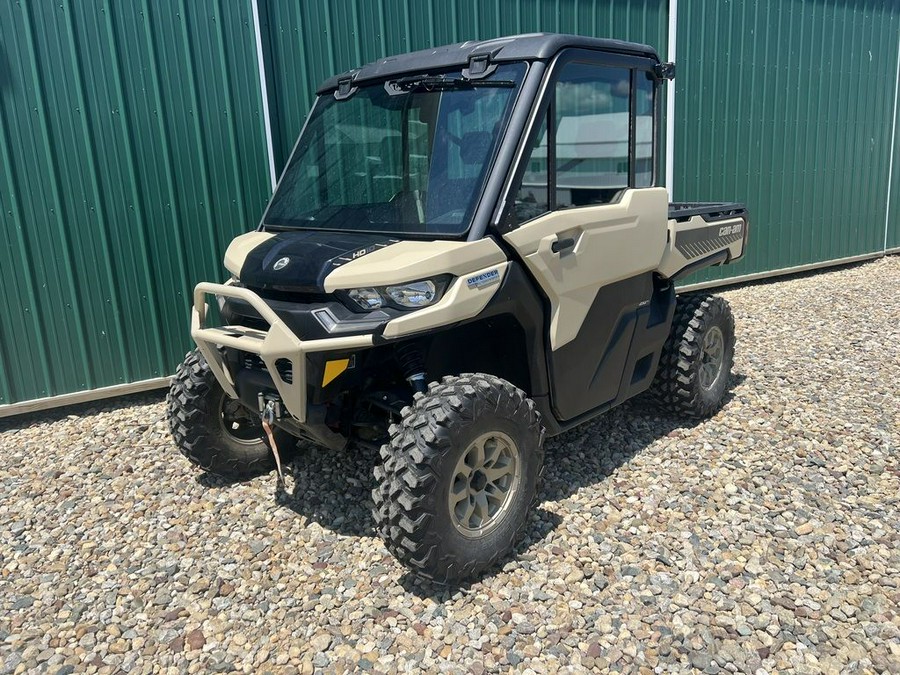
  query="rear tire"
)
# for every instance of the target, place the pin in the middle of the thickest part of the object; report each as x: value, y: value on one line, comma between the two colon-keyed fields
x: 696, y: 361
x: 214, y: 431
x: 458, y: 478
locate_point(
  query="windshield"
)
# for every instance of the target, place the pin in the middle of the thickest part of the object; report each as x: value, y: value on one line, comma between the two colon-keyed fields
x: 405, y: 157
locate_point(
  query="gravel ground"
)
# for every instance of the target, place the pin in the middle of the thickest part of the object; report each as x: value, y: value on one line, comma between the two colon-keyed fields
x: 764, y: 538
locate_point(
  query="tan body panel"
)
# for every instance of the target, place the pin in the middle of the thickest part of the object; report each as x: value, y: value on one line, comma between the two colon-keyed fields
x: 240, y: 248
x: 612, y: 242
x: 694, y: 239
x: 414, y: 260
x: 460, y: 302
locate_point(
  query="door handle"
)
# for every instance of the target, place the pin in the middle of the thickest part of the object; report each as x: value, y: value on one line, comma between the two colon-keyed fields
x: 561, y: 245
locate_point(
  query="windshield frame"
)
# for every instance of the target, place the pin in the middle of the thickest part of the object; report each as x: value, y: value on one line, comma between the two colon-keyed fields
x: 491, y: 168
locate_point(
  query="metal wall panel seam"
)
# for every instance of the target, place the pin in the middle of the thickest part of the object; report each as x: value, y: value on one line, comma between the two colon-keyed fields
x: 139, y: 208
x: 56, y: 187
x: 893, y: 149
x: 848, y: 196
x: 27, y: 276
x: 264, y: 93
x: 165, y: 144
x: 103, y: 216
x: 671, y: 50
x: 212, y: 250
x: 239, y: 181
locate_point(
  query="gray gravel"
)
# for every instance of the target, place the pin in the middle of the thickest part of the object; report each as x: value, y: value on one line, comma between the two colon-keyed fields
x: 764, y: 538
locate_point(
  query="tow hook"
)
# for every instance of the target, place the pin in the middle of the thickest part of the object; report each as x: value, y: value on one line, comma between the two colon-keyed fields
x: 269, y: 413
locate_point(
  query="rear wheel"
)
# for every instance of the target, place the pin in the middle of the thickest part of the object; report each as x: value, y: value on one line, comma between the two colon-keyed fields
x: 457, y: 479
x: 214, y: 431
x: 696, y: 360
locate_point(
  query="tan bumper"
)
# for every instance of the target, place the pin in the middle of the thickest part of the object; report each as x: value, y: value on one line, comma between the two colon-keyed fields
x: 272, y: 345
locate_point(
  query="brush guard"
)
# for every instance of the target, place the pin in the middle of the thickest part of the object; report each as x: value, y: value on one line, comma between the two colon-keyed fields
x: 273, y: 346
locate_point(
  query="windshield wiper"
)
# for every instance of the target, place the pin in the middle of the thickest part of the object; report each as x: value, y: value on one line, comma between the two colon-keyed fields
x: 436, y: 83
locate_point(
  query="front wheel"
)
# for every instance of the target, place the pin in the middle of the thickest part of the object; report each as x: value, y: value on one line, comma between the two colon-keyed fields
x: 213, y: 430
x: 696, y: 360
x: 455, y: 483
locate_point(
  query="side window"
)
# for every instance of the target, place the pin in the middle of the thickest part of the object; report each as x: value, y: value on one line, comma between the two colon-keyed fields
x: 592, y: 132
x: 643, y: 129
x: 596, y: 139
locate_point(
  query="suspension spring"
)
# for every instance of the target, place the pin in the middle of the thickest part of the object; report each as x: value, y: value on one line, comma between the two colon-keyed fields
x: 412, y: 364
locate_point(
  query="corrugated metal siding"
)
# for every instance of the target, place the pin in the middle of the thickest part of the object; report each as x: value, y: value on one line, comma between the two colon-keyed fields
x: 787, y: 105
x: 132, y: 145
x: 310, y: 41
x: 892, y: 234
x: 132, y: 151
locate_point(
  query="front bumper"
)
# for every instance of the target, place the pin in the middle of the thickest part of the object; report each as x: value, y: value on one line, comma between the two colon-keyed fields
x: 277, y: 344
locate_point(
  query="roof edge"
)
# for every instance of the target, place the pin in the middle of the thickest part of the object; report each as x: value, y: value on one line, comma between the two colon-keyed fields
x: 525, y: 47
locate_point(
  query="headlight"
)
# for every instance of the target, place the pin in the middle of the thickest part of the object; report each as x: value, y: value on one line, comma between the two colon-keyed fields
x: 416, y: 294
x: 412, y: 295
x: 367, y: 298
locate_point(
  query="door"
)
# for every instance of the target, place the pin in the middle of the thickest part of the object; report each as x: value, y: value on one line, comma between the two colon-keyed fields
x: 589, y: 224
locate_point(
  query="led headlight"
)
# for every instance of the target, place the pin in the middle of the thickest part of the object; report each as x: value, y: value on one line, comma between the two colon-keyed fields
x: 411, y: 295
x: 367, y: 298
x: 416, y: 294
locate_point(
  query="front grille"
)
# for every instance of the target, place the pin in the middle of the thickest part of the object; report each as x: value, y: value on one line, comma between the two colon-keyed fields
x: 283, y: 366
x: 253, y: 362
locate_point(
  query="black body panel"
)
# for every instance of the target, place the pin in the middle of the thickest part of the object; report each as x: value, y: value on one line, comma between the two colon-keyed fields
x: 517, y: 298
x: 311, y: 256
x: 300, y: 317
x: 617, y: 349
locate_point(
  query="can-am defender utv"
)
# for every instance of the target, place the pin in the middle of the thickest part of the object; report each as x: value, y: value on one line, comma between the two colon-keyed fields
x: 468, y: 250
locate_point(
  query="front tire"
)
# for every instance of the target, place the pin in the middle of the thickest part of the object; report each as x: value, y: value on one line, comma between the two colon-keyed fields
x: 696, y: 361
x: 457, y: 479
x: 214, y: 431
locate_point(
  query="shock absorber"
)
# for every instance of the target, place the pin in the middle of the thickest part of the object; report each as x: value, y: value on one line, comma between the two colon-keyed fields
x: 412, y: 364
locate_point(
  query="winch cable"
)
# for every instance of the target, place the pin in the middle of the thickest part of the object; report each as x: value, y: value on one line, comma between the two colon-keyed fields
x: 268, y: 418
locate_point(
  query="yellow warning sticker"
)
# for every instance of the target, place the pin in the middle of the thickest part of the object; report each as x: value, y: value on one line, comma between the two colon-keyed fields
x: 333, y: 369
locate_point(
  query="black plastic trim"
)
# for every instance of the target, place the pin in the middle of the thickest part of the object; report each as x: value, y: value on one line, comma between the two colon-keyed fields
x: 300, y: 317
x: 630, y: 355
x: 527, y: 47
x: 516, y: 127
x: 719, y: 258
x: 710, y: 211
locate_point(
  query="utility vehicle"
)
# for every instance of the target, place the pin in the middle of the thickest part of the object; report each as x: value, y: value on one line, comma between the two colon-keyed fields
x: 468, y: 251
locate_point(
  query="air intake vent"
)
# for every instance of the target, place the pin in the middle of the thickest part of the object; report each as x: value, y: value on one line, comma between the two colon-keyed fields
x: 285, y: 370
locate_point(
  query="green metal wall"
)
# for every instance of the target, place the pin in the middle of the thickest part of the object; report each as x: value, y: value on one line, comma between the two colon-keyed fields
x: 131, y: 151
x: 133, y: 147
x: 787, y: 106
x: 892, y: 233
x: 310, y: 41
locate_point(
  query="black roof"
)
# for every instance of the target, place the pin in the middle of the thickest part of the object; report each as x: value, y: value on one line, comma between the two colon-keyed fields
x: 528, y: 47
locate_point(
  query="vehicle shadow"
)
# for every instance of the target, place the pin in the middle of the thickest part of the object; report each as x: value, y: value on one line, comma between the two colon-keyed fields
x: 333, y: 488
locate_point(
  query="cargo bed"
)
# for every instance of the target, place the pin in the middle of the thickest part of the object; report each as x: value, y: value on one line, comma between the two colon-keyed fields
x: 703, y: 234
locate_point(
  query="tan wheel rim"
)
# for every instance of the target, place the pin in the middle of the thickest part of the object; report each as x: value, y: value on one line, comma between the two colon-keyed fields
x: 484, y: 484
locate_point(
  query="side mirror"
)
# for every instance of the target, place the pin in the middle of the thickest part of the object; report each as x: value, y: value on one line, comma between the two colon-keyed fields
x: 665, y: 71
